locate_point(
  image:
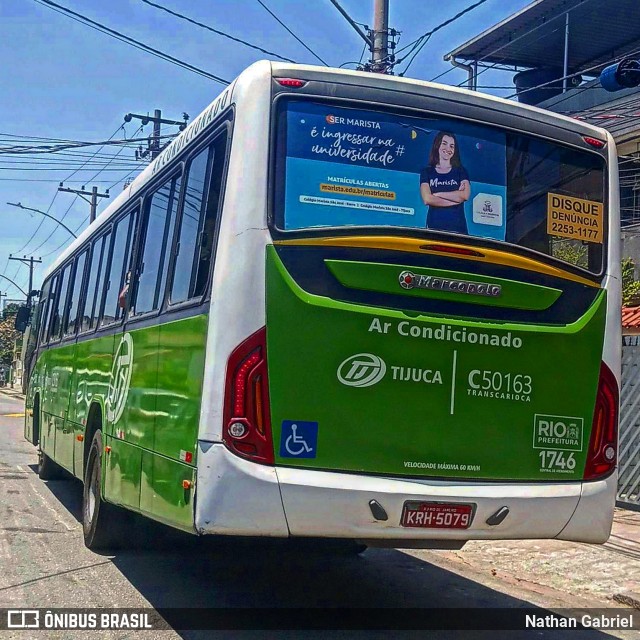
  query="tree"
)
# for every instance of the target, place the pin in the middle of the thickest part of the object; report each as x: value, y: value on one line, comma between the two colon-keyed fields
x: 630, y: 286
x: 8, y: 337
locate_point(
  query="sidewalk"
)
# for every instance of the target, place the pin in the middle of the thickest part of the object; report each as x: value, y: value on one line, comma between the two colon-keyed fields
x: 573, y: 574
x: 13, y: 393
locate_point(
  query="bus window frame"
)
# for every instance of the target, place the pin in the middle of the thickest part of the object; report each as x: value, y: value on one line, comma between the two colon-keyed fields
x: 92, y: 243
x: 66, y: 336
x: 176, y: 173
x: 53, y: 299
x: 46, y: 300
x: 113, y: 223
x: 60, y: 271
x: 224, y: 128
x: 408, y: 104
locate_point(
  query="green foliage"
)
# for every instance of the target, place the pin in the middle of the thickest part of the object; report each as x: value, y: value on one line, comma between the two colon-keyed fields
x: 570, y: 251
x: 630, y: 286
x: 8, y: 337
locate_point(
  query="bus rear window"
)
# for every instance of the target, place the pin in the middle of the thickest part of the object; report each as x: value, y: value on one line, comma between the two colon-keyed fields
x: 342, y: 167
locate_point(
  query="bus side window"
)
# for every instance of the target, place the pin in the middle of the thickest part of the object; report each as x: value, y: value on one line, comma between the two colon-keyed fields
x: 49, y: 309
x: 194, y: 250
x: 60, y: 306
x: 206, y: 240
x: 156, y: 234
x: 76, y: 292
x: 44, y: 312
x: 118, y: 267
x: 90, y: 312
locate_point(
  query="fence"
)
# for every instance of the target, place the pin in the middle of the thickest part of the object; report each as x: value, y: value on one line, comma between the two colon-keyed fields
x: 629, y: 442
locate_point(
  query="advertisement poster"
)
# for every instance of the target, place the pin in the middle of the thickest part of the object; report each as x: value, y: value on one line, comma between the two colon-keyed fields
x: 348, y: 167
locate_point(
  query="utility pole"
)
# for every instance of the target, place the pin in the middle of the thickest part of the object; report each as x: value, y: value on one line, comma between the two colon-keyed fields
x: 380, y: 36
x: 29, y: 262
x: 376, y: 39
x: 153, y: 145
x: 94, y: 197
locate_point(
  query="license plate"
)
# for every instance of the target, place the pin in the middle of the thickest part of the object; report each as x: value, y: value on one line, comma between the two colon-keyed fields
x: 437, y: 515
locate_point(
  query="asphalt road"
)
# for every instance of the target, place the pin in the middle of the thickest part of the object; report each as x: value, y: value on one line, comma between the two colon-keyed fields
x: 43, y: 563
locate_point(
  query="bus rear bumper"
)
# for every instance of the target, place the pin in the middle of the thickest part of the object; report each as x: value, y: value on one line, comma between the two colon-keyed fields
x: 238, y: 497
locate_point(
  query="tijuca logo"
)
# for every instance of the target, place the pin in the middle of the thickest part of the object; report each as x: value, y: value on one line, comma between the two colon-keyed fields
x: 120, y: 378
x: 362, y: 370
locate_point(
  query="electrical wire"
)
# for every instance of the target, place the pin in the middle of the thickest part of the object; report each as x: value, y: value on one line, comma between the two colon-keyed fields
x: 131, y: 142
x: 130, y: 41
x: 76, y: 197
x: 424, y: 38
x: 527, y: 33
x: 220, y: 33
x: 573, y: 75
x: 44, y: 218
x: 273, y: 15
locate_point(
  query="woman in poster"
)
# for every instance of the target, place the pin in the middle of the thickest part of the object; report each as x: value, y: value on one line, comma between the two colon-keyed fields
x: 444, y: 186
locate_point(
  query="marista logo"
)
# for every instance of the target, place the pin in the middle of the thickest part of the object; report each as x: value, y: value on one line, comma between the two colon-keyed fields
x: 362, y: 370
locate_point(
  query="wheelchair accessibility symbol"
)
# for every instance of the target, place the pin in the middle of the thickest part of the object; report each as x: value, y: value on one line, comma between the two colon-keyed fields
x: 299, y: 439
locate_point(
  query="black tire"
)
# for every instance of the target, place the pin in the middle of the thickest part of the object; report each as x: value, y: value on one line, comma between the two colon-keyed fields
x: 104, y: 525
x: 328, y: 546
x: 47, y: 468
x: 347, y: 548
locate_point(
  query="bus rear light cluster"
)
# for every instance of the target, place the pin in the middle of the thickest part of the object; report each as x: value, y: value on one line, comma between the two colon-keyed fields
x: 445, y: 248
x: 247, y: 424
x: 602, y: 452
x: 292, y: 83
x: 594, y: 142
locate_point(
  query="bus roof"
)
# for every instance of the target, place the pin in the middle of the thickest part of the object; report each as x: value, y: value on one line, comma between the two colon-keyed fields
x: 339, y: 76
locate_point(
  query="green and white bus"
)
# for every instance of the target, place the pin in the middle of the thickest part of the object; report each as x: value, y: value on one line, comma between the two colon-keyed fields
x: 349, y: 306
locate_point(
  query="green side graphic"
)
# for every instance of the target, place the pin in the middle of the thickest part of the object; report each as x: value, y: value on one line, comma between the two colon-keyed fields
x: 413, y: 395
x: 155, y: 422
x: 384, y: 278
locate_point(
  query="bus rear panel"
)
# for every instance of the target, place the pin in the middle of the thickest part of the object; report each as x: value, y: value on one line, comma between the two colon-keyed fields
x: 437, y: 364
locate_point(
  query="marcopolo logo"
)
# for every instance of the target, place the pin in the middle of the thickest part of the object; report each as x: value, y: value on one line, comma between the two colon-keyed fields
x: 563, y: 433
x: 362, y: 370
x: 409, y: 280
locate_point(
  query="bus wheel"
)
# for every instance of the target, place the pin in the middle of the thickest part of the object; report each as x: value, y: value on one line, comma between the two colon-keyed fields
x: 47, y: 468
x: 103, y: 524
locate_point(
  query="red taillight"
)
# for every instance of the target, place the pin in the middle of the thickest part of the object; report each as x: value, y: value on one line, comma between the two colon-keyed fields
x: 293, y: 83
x: 445, y: 248
x: 247, y: 425
x: 594, y: 142
x: 603, y: 444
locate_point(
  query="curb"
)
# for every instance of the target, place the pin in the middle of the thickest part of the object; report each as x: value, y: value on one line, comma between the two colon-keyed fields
x: 11, y: 393
x: 631, y: 600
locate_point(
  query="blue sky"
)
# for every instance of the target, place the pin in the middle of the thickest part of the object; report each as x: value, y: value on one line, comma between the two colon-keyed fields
x: 61, y: 79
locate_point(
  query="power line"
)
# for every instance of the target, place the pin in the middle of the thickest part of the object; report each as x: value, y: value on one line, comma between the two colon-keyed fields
x: 220, y: 33
x: 424, y: 38
x: 573, y: 75
x: 130, y: 41
x: 508, y: 44
x: 46, y: 255
x: 264, y: 6
x: 74, y: 145
x: 42, y: 180
x: 544, y: 34
x: 89, y: 180
x: 33, y: 235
